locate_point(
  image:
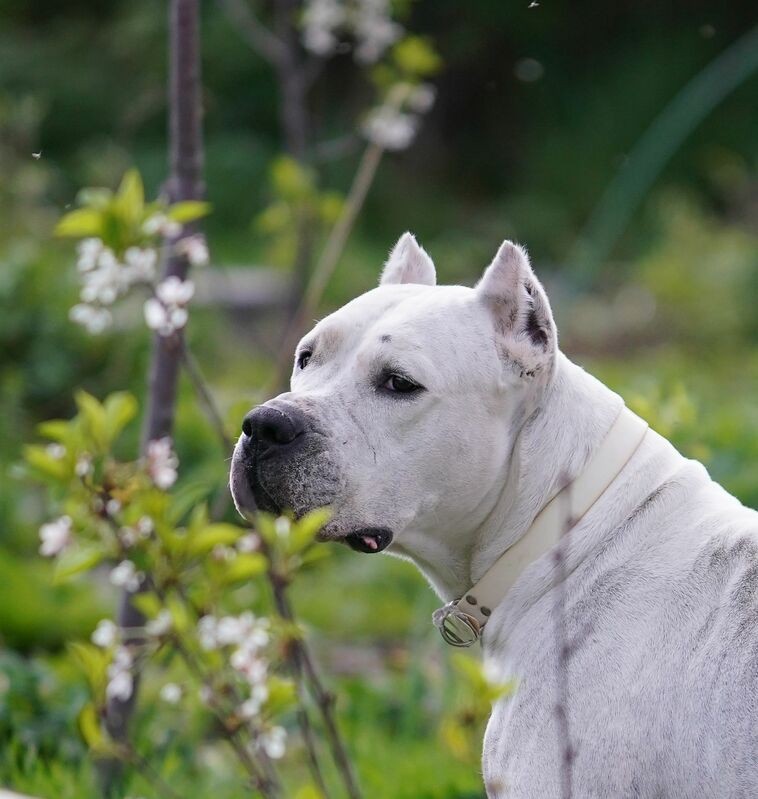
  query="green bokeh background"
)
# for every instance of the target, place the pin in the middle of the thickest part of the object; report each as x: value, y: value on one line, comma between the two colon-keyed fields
x: 669, y: 319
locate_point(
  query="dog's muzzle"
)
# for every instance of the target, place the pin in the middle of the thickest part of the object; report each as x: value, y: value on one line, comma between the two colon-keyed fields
x: 270, y: 438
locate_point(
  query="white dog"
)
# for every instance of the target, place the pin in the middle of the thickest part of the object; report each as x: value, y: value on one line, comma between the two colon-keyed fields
x: 438, y: 422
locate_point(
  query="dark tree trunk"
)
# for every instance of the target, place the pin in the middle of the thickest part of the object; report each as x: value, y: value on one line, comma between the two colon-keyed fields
x: 184, y: 183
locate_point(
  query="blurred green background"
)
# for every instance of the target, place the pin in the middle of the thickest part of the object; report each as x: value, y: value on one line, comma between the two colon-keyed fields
x: 540, y: 108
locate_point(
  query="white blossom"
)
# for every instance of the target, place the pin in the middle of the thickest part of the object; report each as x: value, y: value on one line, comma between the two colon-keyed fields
x: 127, y: 536
x: 83, y: 465
x: 195, y: 249
x: 173, y: 291
x: 103, y: 283
x: 145, y: 527
x: 250, y: 542
x: 422, y: 97
x: 165, y: 312
x: 390, y: 128
x: 92, y: 317
x: 106, y: 633
x: 162, y: 463
x: 160, y: 223
x: 282, y: 526
x: 249, y: 664
x: 57, y: 451
x: 321, y: 20
x: 125, y: 575
x: 88, y: 251
x: 252, y: 707
x: 160, y: 625
x: 374, y: 29
x: 112, y: 507
x: 223, y: 553
x: 55, y: 536
x: 140, y: 264
x: 120, y: 680
x: 206, y: 632
x: 273, y: 742
x: 171, y: 693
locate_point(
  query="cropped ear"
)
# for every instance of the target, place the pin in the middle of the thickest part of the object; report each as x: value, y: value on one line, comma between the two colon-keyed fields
x: 408, y: 263
x: 524, y: 326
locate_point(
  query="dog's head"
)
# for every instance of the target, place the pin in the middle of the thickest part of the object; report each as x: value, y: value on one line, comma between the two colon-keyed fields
x: 403, y: 405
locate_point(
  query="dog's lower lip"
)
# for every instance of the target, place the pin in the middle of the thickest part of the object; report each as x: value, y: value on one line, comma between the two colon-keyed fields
x: 370, y: 540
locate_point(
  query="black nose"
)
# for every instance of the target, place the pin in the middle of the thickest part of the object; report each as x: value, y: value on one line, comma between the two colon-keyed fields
x: 270, y: 427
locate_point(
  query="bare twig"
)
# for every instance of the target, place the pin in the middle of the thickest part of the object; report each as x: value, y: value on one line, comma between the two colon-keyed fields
x: 253, y: 31
x: 324, y: 699
x: 267, y: 783
x: 185, y: 183
x: 332, y: 252
x: 205, y: 397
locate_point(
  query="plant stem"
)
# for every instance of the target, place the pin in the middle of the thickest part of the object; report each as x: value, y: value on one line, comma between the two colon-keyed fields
x: 185, y: 183
x: 205, y: 397
x: 324, y: 699
x: 331, y: 253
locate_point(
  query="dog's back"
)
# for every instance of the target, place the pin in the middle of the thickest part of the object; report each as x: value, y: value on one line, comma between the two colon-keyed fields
x: 661, y: 675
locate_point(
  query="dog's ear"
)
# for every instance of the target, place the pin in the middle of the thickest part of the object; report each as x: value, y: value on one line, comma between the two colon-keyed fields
x: 408, y: 263
x: 525, y: 330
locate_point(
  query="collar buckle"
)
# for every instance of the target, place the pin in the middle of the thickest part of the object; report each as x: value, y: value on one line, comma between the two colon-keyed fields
x: 456, y: 627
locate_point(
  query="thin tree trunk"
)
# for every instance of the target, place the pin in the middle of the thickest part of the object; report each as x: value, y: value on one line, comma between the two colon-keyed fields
x: 293, y: 117
x: 184, y: 183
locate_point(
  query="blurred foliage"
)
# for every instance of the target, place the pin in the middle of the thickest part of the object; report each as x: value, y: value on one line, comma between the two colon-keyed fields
x: 536, y: 108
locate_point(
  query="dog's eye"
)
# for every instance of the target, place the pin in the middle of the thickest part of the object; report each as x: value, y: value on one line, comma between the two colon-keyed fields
x: 303, y: 358
x: 398, y: 384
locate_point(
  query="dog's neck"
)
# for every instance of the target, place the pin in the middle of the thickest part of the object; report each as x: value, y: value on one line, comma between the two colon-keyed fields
x: 575, y: 413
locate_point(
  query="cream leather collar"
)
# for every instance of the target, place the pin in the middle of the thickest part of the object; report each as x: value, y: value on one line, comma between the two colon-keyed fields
x: 461, y: 621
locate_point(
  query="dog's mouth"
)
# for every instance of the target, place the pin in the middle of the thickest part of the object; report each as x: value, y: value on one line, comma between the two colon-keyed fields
x: 370, y: 540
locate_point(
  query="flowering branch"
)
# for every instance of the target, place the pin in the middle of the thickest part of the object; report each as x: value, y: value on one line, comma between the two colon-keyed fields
x: 302, y: 664
x: 184, y: 184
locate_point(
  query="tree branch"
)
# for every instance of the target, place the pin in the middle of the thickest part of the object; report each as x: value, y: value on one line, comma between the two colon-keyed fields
x: 331, y: 254
x: 185, y: 183
x: 324, y: 699
x: 192, y: 367
x: 253, y: 31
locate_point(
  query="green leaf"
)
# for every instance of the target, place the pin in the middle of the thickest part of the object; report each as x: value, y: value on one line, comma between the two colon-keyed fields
x: 245, y: 567
x: 130, y: 198
x: 45, y: 464
x: 290, y: 179
x: 93, y: 663
x: 309, y: 791
x: 55, y: 429
x: 147, y: 603
x: 76, y: 560
x: 185, y: 498
x: 281, y: 695
x: 306, y: 529
x: 188, y: 211
x: 416, y: 56
x: 275, y: 218
x: 120, y: 408
x: 94, y: 733
x: 97, y: 199
x: 89, y: 727
x: 214, y: 535
x: 80, y: 224
x: 330, y: 206
x: 93, y: 415
x: 180, y: 615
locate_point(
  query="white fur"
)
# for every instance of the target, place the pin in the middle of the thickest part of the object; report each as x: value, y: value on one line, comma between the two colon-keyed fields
x: 660, y: 593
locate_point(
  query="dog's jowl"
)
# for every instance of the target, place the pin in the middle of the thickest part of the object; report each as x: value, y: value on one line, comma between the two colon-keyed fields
x: 443, y: 424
